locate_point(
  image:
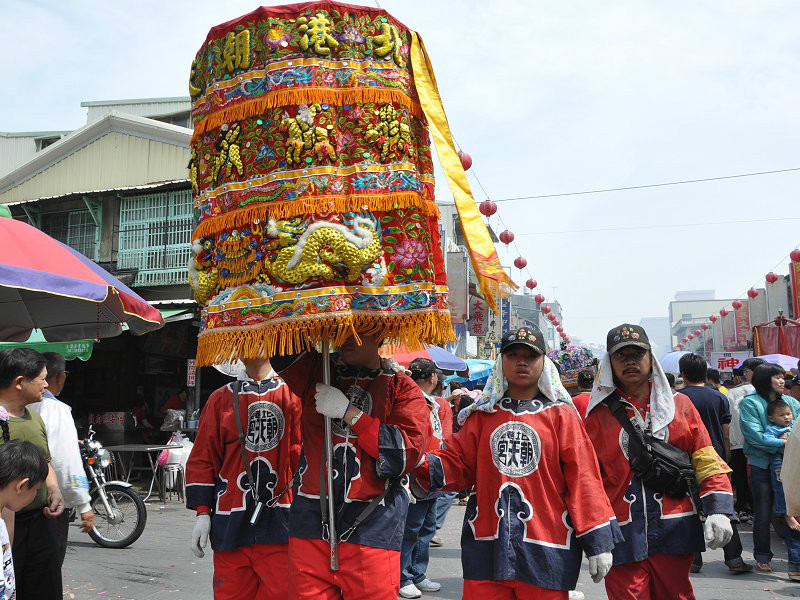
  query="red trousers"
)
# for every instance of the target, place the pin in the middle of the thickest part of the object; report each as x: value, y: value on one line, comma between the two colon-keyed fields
x: 508, y: 590
x: 364, y: 573
x: 658, y: 577
x: 252, y: 572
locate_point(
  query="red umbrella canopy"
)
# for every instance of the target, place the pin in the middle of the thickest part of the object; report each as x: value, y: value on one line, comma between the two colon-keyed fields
x: 47, y: 285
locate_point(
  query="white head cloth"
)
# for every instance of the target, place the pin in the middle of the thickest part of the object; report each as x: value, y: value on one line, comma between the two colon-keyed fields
x: 549, y: 384
x: 662, y: 404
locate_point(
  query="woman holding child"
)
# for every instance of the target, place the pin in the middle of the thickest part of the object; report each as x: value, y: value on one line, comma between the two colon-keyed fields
x: 761, y: 415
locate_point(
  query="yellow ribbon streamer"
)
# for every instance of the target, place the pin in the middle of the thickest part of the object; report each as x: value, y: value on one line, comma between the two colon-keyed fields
x: 492, y: 278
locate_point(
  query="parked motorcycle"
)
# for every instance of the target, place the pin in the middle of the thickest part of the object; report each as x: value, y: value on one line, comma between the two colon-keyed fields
x: 119, y: 512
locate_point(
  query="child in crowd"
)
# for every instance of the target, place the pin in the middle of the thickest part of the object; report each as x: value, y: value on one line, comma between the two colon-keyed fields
x: 22, y: 471
x: 776, y: 434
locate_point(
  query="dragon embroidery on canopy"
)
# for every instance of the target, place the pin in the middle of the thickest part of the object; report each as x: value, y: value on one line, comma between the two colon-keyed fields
x: 313, y: 252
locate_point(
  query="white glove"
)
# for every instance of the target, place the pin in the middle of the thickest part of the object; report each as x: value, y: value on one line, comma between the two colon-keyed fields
x: 600, y: 565
x: 202, y: 527
x: 717, y: 530
x: 331, y: 401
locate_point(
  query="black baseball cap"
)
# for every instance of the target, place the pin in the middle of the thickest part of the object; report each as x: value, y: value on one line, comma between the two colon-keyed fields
x: 422, y: 368
x: 527, y: 336
x: 626, y: 335
x: 790, y: 382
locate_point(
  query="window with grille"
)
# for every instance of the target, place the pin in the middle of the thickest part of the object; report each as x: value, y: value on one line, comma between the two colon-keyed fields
x: 155, y: 233
x: 75, y: 228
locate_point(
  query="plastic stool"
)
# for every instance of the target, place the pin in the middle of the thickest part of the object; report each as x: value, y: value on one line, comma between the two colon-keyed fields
x: 173, y: 481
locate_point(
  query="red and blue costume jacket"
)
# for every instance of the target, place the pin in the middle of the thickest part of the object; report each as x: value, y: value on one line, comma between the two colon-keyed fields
x: 216, y: 480
x: 654, y: 523
x: 441, y: 422
x: 538, y: 499
x: 386, y: 442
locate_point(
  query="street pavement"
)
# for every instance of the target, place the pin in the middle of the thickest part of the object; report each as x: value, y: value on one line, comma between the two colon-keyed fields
x: 161, y: 566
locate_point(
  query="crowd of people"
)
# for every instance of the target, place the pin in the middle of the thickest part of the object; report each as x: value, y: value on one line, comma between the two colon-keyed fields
x: 634, y: 474
x: 41, y: 474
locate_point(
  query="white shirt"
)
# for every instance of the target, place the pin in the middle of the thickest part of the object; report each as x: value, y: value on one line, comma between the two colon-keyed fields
x: 8, y: 586
x: 65, y: 455
x: 735, y: 397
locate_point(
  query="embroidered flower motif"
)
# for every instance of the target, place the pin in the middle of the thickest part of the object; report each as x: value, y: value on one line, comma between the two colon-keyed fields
x: 337, y: 185
x: 409, y: 253
x: 328, y: 77
x: 356, y: 112
x: 351, y: 34
x: 340, y: 303
x: 276, y: 36
x: 344, y: 140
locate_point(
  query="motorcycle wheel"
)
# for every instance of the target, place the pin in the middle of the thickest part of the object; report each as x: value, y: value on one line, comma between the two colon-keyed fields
x: 125, y: 524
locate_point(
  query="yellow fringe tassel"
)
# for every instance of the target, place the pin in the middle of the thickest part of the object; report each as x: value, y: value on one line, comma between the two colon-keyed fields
x: 244, y: 217
x: 305, y: 95
x: 413, y: 330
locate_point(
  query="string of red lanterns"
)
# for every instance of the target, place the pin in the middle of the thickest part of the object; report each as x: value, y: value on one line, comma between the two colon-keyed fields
x: 488, y: 208
x: 752, y: 293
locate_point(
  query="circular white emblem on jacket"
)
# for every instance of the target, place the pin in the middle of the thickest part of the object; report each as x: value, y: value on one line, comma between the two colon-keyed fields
x: 265, y: 425
x: 516, y: 449
x: 360, y: 398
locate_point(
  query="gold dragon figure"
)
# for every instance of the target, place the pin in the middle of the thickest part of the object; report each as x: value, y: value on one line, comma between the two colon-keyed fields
x: 313, y: 252
x: 303, y: 136
x: 390, y: 134
x: 193, y: 171
x: 203, y: 277
x: 228, y: 156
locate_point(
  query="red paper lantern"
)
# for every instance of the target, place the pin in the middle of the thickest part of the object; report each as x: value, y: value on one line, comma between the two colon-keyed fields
x: 713, y: 318
x: 506, y: 237
x: 795, y: 255
x: 466, y: 160
x: 736, y: 304
x: 704, y: 326
x: 698, y: 332
x: 546, y: 309
x: 690, y: 336
x: 679, y: 346
x: 567, y: 340
x: 684, y: 340
x: 723, y: 312
x: 551, y: 316
x: 530, y: 284
x: 556, y: 322
x: 487, y: 208
x: 539, y: 298
x: 560, y: 329
x: 520, y: 262
x: 771, y: 277
x: 752, y: 293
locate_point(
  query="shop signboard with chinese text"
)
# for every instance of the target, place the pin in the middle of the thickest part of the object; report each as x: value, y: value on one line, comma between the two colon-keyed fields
x: 478, y: 323
x: 727, y: 361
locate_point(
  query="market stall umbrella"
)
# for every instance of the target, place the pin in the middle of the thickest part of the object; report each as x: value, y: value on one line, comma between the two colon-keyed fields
x: 669, y: 362
x: 47, y: 285
x: 447, y: 361
x: 479, y: 371
x: 782, y: 360
x: 77, y: 349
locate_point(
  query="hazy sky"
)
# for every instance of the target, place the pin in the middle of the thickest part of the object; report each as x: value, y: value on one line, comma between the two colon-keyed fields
x: 547, y: 97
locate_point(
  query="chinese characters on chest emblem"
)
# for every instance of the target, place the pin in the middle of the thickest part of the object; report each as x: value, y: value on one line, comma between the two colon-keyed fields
x: 516, y: 449
x: 265, y: 425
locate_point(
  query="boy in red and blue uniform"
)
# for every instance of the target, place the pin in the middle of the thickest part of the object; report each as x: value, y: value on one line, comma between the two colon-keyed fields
x: 380, y: 429
x: 538, y: 502
x: 250, y: 560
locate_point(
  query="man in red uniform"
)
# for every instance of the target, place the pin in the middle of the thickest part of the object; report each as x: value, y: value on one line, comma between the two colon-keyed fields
x: 538, y: 502
x: 662, y: 532
x: 379, y: 434
x: 421, y: 520
x: 250, y: 544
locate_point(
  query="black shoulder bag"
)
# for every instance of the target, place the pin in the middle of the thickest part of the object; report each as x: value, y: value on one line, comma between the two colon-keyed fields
x: 661, y: 466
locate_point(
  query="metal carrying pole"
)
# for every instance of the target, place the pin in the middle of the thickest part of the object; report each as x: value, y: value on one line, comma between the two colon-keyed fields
x: 333, y: 536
